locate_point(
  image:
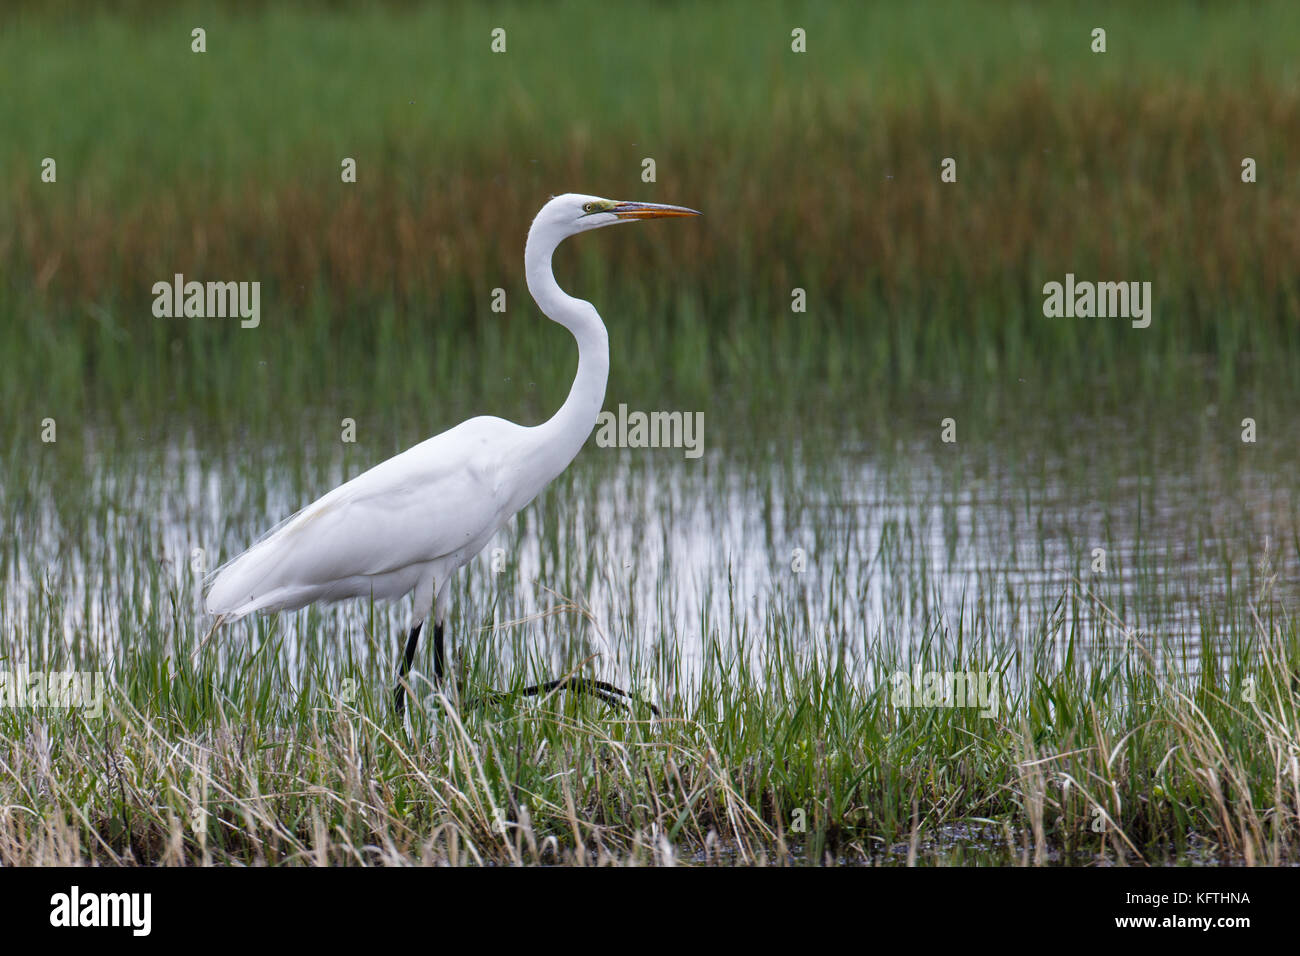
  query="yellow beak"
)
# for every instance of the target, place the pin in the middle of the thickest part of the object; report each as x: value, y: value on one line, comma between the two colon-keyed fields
x: 650, y: 210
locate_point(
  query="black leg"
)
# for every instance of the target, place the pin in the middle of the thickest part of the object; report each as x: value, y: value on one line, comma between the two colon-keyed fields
x: 437, y: 652
x: 399, y: 695
x: 607, y: 692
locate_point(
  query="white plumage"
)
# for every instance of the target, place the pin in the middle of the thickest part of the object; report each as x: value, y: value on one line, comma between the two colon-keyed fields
x: 417, y: 515
x: 410, y: 522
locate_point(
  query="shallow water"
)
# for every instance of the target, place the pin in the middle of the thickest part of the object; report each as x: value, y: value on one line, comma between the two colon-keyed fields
x: 838, y: 547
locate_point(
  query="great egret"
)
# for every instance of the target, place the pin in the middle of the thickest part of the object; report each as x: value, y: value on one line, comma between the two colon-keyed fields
x: 411, y: 522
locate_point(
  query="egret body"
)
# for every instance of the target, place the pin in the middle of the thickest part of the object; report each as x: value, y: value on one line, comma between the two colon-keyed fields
x: 409, y: 523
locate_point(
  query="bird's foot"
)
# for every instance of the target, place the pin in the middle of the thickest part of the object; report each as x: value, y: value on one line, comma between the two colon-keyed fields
x: 603, y: 690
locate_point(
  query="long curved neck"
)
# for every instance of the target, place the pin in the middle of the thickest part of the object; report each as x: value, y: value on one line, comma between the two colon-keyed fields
x: 563, y: 435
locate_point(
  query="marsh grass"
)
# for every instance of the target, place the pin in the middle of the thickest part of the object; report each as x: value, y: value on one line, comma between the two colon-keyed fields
x: 818, y: 172
x: 1150, y: 714
x: 1157, y: 704
x: 218, y: 761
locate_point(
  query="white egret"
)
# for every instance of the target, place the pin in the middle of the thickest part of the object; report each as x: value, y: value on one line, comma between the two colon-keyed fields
x: 409, y: 523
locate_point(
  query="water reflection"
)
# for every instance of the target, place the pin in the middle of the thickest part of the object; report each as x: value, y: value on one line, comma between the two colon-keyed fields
x: 839, y: 550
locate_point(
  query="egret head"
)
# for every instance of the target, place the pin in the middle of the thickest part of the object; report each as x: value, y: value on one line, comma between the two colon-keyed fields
x: 573, y: 212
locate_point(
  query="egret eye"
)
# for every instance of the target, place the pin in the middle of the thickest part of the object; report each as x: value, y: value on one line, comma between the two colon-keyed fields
x: 589, y: 207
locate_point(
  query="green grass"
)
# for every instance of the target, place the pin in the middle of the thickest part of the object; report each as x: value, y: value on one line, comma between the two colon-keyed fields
x: 1126, y: 693
x: 249, y: 758
x: 1127, y: 731
x: 817, y: 171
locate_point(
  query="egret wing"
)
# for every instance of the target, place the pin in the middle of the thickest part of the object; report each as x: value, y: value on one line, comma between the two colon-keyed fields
x: 430, y: 501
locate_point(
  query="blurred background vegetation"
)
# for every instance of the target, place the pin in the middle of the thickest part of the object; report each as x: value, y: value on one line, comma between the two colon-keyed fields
x: 817, y: 170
